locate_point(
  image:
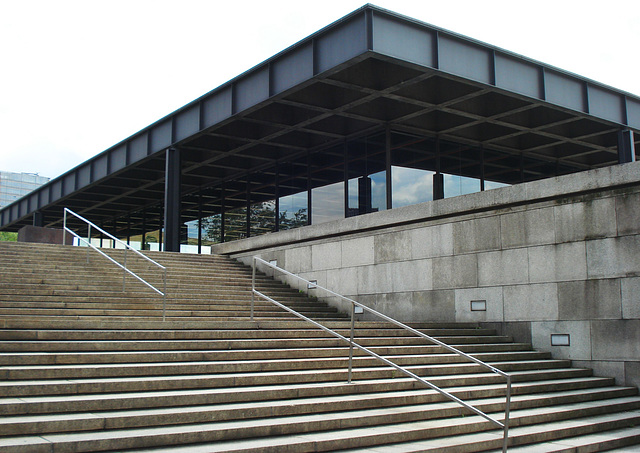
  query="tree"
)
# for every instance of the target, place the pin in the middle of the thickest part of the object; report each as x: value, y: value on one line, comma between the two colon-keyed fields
x: 8, y: 236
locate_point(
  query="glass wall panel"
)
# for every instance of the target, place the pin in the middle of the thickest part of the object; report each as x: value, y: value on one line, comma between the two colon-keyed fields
x: 235, y: 225
x: 293, y: 211
x: 378, y: 191
x: 192, y: 233
x: 263, y: 218
x: 366, y: 163
x: 411, y: 186
x: 460, y: 185
x: 327, y: 203
x: 488, y: 185
x: 212, y: 229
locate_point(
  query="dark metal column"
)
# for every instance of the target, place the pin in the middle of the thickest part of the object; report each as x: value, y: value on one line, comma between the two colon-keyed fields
x: 277, y: 197
x: 388, y: 168
x: 223, y: 215
x: 438, y: 178
x: 172, y: 200
x: 626, y: 147
x: 143, y: 242
x: 38, y: 219
x: 345, y: 170
x: 248, y: 213
x: 309, y: 188
x: 364, y: 195
x: 200, y: 223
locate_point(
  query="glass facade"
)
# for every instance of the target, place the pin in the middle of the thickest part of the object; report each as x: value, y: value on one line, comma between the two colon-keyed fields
x: 384, y: 170
x: 15, y: 185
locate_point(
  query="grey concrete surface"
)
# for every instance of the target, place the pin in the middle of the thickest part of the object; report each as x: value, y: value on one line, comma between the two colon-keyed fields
x: 563, y: 253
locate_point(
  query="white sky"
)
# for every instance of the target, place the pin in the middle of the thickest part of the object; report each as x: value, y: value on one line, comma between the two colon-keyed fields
x: 78, y: 76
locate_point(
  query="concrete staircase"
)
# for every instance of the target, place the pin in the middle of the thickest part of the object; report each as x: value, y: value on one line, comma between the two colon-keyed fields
x: 86, y: 367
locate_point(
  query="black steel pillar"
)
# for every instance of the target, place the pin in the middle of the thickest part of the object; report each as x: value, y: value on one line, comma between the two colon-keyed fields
x: 438, y: 178
x: 364, y: 195
x: 626, y: 147
x: 438, y: 186
x: 277, y: 198
x: 200, y: 223
x: 172, y: 181
x: 345, y: 169
x: 223, y: 216
x: 143, y: 242
x: 309, y: 189
x: 38, y: 219
x: 389, y: 195
x: 248, y: 213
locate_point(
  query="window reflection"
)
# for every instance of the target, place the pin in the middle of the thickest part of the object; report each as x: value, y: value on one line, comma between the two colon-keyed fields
x: 410, y: 186
x: 460, y: 185
x: 235, y: 225
x: 263, y: 218
x: 212, y: 229
x: 293, y: 211
x: 327, y: 203
x: 488, y: 185
x: 420, y: 168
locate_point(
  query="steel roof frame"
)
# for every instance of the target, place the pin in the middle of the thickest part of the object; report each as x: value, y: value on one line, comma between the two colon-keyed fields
x: 370, y: 70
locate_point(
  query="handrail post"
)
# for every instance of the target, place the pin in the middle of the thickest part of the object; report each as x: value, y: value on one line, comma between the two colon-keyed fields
x: 353, y: 318
x: 507, y: 410
x: 253, y: 285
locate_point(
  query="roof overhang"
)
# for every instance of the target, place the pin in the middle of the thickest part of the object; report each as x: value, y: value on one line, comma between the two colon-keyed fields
x: 370, y: 70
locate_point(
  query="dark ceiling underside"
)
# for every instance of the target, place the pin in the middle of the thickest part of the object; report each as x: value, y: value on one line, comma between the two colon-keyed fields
x: 522, y: 138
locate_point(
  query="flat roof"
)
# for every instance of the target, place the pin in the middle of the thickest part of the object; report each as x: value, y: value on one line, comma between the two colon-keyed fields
x: 371, y: 69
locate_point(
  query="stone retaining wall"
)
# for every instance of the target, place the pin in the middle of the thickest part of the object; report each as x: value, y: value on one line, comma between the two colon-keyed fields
x: 557, y: 256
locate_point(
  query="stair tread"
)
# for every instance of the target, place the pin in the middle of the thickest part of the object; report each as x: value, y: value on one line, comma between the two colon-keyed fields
x: 341, y: 422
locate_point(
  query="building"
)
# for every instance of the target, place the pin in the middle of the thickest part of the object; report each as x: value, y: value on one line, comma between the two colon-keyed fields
x: 14, y: 186
x: 385, y: 137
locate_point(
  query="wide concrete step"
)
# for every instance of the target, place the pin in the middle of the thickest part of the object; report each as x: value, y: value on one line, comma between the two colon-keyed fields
x: 228, y: 306
x: 408, y: 402
x: 385, y: 377
x: 621, y: 440
x: 126, y: 398
x: 409, y: 355
x: 109, y: 313
x: 382, y: 345
x: 329, y: 431
x: 414, y: 364
x: 589, y: 434
x: 248, y: 330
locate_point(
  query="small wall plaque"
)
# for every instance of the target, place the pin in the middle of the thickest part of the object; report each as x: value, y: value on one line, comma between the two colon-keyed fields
x: 560, y: 339
x: 312, y: 284
x: 478, y: 305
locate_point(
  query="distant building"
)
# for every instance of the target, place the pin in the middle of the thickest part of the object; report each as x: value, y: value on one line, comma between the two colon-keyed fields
x: 14, y: 186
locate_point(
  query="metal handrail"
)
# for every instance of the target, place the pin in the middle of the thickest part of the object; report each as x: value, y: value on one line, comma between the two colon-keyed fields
x: 504, y: 425
x: 123, y: 267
